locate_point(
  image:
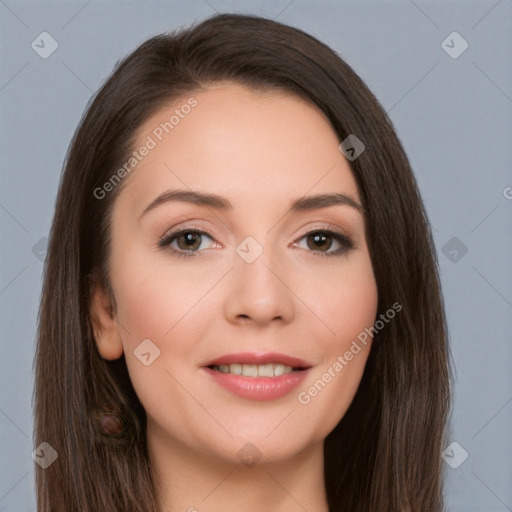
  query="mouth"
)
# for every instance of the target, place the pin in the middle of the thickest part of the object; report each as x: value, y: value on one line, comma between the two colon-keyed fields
x: 251, y: 364
x: 258, y: 376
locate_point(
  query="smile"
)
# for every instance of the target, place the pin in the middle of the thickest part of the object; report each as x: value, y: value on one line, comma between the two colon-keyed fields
x: 254, y: 370
x: 258, y: 376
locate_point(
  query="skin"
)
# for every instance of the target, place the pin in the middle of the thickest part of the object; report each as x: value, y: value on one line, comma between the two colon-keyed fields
x: 260, y: 151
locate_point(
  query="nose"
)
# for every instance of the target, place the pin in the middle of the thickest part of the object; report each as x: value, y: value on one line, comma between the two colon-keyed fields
x: 259, y: 291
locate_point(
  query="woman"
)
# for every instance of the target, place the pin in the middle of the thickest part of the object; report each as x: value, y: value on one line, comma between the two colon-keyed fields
x: 241, y: 306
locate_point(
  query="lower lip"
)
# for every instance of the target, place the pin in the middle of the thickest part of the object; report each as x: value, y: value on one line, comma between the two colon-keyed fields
x: 258, y: 388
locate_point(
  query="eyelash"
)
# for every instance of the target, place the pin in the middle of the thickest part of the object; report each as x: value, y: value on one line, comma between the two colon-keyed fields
x: 343, y: 240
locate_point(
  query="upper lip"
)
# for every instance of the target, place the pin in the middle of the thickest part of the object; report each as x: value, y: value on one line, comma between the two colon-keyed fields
x: 260, y: 358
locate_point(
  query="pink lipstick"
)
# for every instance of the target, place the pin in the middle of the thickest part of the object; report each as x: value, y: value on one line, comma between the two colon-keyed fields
x: 263, y: 376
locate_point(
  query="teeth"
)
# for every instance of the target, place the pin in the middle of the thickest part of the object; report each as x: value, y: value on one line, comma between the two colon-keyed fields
x: 265, y: 370
x: 249, y: 370
x: 255, y: 370
x: 280, y: 369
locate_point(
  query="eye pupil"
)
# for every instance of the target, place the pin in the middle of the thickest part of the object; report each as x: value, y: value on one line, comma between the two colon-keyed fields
x: 318, y: 240
x: 189, y: 240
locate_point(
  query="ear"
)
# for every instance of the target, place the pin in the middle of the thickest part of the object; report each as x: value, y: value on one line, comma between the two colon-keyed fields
x: 104, y: 324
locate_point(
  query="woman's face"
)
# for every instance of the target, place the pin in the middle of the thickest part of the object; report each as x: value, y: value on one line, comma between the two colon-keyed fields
x: 266, y: 284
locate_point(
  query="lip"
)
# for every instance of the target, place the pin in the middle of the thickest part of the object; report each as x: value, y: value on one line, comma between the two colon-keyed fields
x: 259, y: 388
x: 260, y: 358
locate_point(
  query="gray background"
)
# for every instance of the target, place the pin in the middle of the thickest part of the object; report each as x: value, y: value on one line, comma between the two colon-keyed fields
x: 452, y: 114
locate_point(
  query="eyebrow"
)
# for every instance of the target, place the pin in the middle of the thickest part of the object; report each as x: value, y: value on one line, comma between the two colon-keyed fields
x: 301, y: 204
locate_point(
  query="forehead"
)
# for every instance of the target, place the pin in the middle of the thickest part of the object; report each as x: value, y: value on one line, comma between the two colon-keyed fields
x: 240, y: 143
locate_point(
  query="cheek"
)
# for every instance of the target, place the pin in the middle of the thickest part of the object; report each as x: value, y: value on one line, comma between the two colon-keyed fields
x: 154, y: 296
x: 163, y: 301
x: 344, y: 298
x: 347, y: 309
x: 159, y: 303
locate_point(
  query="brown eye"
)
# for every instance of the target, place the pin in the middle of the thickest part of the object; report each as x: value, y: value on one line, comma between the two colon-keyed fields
x: 188, y: 241
x: 321, y: 241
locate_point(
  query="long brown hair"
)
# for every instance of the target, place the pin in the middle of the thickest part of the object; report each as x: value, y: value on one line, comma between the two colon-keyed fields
x: 385, y: 453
